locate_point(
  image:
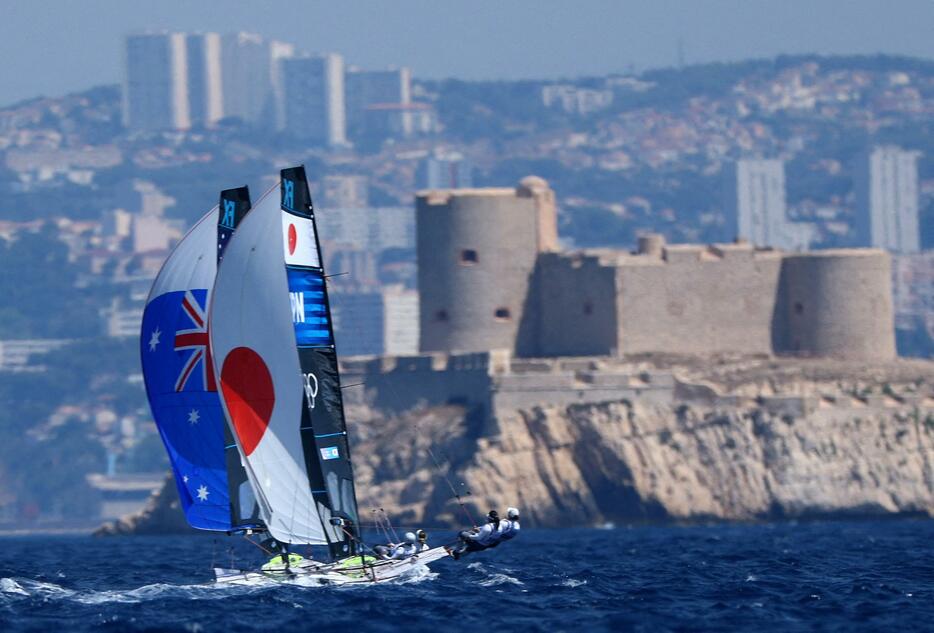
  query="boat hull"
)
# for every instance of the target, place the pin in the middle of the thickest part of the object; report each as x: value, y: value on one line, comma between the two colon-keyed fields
x: 311, y: 573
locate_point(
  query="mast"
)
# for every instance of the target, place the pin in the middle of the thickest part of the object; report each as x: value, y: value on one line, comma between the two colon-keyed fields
x: 323, y: 426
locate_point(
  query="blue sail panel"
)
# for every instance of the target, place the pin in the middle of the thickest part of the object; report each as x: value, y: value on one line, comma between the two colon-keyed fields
x: 309, y: 307
x: 185, y: 405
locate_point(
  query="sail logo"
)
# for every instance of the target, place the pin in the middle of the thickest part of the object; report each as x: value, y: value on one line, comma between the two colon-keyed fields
x: 229, y: 214
x: 299, y: 244
x: 311, y: 388
x: 297, y: 299
x: 330, y: 452
x: 288, y: 194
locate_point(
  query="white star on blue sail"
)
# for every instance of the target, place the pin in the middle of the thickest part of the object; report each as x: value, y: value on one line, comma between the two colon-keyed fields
x: 202, y: 493
x: 193, y: 416
x: 154, y: 340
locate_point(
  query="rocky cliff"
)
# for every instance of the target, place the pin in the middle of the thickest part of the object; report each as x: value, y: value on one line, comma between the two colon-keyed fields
x: 742, y: 439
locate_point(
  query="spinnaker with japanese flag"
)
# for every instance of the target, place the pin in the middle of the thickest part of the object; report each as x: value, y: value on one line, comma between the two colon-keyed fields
x: 274, y: 353
x: 275, y: 360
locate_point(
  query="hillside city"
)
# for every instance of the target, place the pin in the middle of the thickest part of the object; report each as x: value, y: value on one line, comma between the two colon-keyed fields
x: 795, y: 153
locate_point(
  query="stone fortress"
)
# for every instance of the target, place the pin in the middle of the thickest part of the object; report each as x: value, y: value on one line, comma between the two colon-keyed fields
x: 509, y: 320
x: 491, y: 276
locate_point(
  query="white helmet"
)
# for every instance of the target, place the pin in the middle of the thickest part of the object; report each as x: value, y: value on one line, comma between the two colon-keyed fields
x: 512, y: 513
x: 410, y: 537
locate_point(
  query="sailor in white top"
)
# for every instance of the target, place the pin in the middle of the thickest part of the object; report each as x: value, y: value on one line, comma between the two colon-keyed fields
x: 407, y: 548
x: 422, y: 540
x: 508, y: 528
x: 479, y: 538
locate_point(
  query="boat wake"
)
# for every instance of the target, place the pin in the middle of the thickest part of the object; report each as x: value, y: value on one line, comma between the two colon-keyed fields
x: 17, y: 589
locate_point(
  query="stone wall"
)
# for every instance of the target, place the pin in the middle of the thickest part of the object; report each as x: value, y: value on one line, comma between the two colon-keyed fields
x: 697, y: 300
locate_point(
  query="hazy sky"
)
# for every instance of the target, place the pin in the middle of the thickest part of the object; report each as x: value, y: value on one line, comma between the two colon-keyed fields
x: 53, y: 47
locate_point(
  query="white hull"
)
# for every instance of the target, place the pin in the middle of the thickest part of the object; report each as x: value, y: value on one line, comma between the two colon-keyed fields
x: 313, y: 573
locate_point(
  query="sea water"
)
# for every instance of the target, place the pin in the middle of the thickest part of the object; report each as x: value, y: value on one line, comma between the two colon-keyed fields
x: 830, y: 576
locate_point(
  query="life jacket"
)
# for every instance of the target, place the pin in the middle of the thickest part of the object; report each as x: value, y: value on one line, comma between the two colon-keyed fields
x: 509, y: 530
x: 486, y: 535
x: 404, y: 550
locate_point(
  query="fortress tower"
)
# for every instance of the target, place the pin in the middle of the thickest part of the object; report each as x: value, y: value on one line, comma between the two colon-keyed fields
x: 477, y: 249
x: 836, y: 303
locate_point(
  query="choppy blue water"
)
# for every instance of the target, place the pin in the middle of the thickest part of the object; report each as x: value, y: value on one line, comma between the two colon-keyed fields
x: 782, y: 577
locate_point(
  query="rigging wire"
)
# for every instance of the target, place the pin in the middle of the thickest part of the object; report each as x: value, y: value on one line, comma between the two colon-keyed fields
x: 252, y: 542
x: 389, y: 523
x: 448, y: 482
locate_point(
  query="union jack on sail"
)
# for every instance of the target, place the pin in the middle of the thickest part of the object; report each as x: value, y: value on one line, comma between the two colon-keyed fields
x: 195, y: 339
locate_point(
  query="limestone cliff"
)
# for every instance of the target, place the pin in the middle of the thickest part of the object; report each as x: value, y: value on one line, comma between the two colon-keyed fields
x: 751, y: 439
x: 740, y: 440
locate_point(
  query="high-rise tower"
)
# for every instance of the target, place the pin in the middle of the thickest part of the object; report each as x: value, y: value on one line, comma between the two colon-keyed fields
x: 313, y: 91
x: 155, y: 89
x: 886, y: 182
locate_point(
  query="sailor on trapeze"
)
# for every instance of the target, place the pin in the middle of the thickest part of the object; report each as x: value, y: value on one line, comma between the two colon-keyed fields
x: 490, y: 534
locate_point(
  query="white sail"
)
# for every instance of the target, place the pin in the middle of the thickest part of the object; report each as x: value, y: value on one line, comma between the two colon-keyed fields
x: 258, y: 370
x: 192, y: 264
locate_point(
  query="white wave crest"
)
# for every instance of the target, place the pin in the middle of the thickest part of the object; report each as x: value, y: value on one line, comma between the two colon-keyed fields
x: 571, y: 582
x: 494, y: 580
x: 419, y: 573
x: 8, y: 585
x: 21, y: 587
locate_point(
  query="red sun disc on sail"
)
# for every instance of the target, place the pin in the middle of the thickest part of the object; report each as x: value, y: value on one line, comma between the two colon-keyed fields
x: 293, y: 239
x: 249, y: 394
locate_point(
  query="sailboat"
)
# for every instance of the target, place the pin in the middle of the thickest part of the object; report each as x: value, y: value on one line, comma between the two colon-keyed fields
x: 241, y: 371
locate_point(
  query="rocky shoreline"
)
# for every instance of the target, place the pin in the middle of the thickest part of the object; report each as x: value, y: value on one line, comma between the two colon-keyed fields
x: 745, y: 440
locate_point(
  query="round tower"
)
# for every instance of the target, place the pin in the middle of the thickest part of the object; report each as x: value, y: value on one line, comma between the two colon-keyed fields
x: 476, y: 251
x: 837, y: 303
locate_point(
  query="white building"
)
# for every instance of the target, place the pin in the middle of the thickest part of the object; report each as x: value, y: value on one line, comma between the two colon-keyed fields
x: 277, y: 52
x: 368, y: 228
x: 574, y: 100
x: 345, y: 191
x: 755, y: 206
x: 376, y: 322
x: 913, y: 288
x: 886, y: 183
x: 155, y: 87
x: 176, y: 80
x: 445, y: 170
x: 205, y: 91
x: 313, y: 92
x: 21, y: 354
x: 365, y: 88
x: 400, y: 322
x: 247, y: 76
